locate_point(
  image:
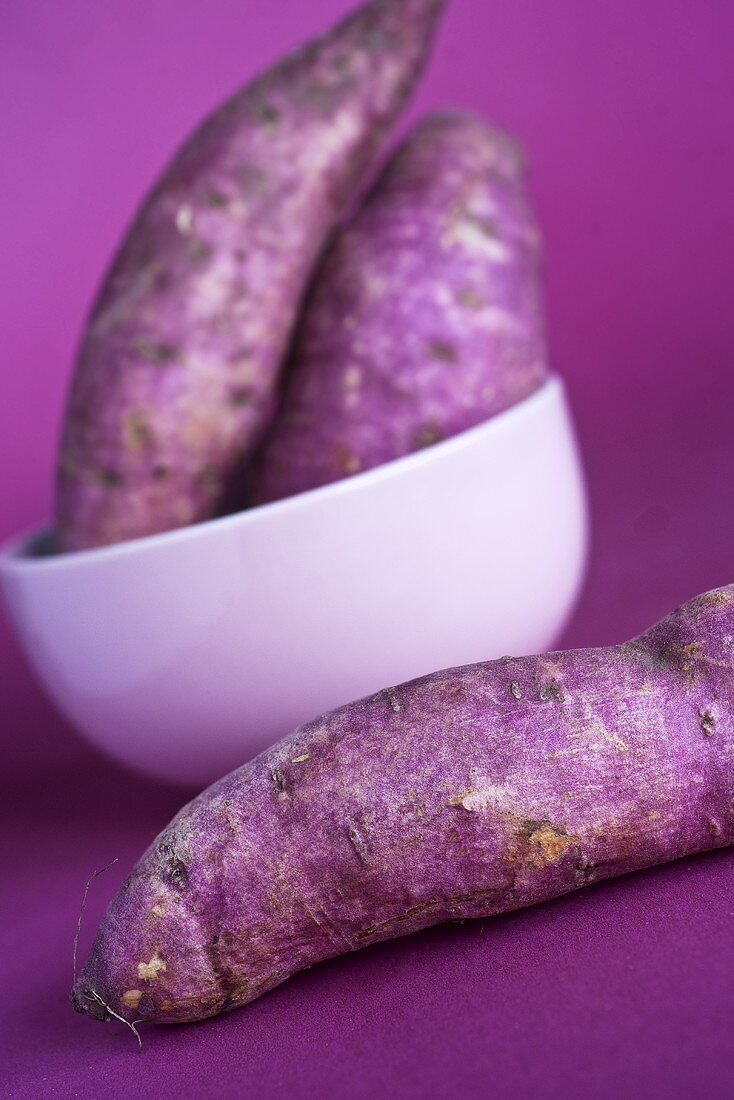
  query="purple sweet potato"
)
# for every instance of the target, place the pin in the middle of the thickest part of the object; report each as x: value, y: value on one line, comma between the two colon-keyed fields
x: 175, y: 380
x: 467, y: 793
x: 426, y: 315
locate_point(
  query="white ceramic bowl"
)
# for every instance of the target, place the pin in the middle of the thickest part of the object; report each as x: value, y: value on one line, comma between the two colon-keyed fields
x: 184, y: 654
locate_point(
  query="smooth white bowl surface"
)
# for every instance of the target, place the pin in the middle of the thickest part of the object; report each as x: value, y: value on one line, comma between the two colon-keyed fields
x: 184, y: 654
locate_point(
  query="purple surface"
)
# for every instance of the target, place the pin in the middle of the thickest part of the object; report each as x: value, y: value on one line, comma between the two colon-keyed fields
x: 177, y: 375
x: 506, y: 783
x: 378, y: 370
x: 624, y: 988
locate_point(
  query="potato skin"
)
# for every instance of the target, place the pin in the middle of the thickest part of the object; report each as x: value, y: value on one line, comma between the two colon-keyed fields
x: 175, y: 380
x: 469, y: 792
x: 426, y: 314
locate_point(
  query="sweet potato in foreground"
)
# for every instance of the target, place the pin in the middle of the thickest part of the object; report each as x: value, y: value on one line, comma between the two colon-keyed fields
x: 175, y: 380
x: 470, y: 792
x: 425, y: 316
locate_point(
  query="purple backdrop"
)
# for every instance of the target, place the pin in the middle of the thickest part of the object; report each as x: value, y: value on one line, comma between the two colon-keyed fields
x: 625, y: 108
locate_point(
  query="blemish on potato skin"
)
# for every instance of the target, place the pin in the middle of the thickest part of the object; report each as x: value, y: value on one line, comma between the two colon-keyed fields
x: 469, y: 298
x: 345, y: 459
x: 515, y: 690
x: 679, y: 658
x: 352, y: 377
x: 267, y: 114
x: 717, y: 597
x: 708, y: 725
x: 426, y: 436
x: 214, y: 199
x: 146, y: 1006
x: 241, y: 355
x: 459, y: 798
x: 149, y: 971
x: 111, y: 479
x: 584, y: 872
x: 441, y: 903
x: 197, y: 250
x: 184, y: 219
x: 301, y: 759
x: 442, y: 350
x: 154, y: 352
x: 551, y: 690
x: 226, y: 814
x: 136, y: 430
x: 131, y: 998
x: 357, y: 842
x: 207, y: 481
x: 486, y: 225
x: 549, y: 843
x: 321, y: 96
x: 174, y: 866
x: 393, y: 702
x: 241, y: 396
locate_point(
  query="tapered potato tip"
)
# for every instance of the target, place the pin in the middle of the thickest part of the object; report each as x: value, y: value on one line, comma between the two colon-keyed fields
x: 176, y: 379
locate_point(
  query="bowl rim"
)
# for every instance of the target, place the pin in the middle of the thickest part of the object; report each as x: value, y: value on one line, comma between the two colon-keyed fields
x: 14, y: 556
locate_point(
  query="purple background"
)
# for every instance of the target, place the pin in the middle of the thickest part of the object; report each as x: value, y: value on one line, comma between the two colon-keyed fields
x: 626, y: 988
